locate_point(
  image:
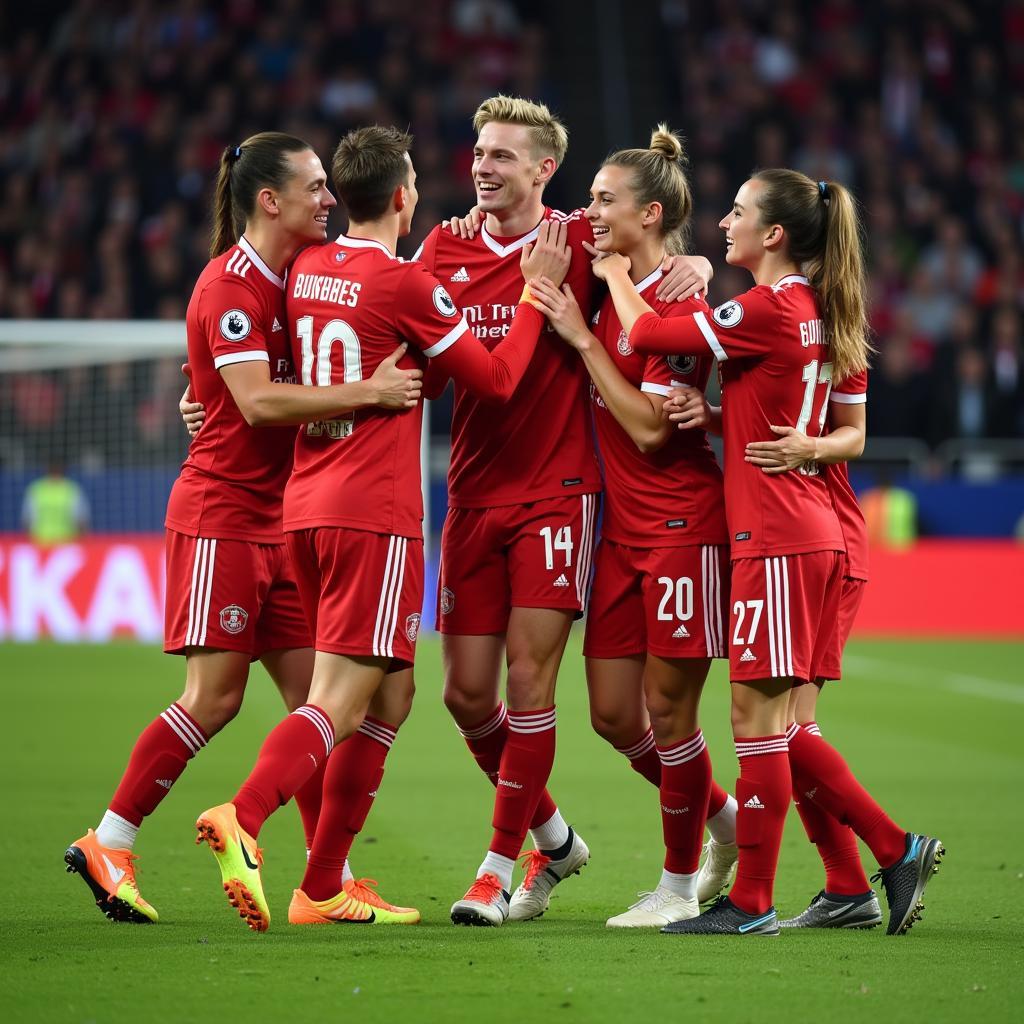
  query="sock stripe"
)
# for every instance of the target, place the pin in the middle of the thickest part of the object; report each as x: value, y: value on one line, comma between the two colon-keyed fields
x: 684, y: 751
x: 378, y: 731
x: 321, y: 721
x: 767, y: 745
x: 187, y: 731
x: 642, y: 746
x: 527, y: 722
x: 493, y: 721
x: 811, y: 727
x: 792, y: 730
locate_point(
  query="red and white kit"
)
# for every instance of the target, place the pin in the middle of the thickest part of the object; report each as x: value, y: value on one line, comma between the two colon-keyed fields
x: 229, y: 585
x: 514, y: 469
x: 661, y: 582
x: 852, y: 391
x: 776, y: 368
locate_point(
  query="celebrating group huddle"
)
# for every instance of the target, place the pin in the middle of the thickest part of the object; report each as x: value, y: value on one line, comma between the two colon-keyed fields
x: 304, y: 548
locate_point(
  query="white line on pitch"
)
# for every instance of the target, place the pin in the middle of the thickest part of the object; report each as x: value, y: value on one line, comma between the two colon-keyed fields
x: 954, y: 682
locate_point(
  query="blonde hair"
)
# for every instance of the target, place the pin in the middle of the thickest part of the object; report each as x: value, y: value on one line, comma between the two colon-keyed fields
x: 825, y: 236
x: 659, y: 176
x: 548, y: 134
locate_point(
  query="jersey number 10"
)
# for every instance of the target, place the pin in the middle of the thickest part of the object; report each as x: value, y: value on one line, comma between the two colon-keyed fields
x: 334, y: 331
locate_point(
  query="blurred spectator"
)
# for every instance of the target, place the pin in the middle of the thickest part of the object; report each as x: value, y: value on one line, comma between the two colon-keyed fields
x: 55, y: 509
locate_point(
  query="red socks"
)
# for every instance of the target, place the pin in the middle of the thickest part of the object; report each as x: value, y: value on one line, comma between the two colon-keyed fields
x: 834, y: 788
x: 717, y: 799
x: 486, y: 742
x: 685, y: 785
x: 354, y: 772
x: 526, y: 761
x: 836, y: 843
x: 291, y: 753
x: 643, y: 758
x: 763, y: 793
x: 158, y: 758
x: 309, y: 798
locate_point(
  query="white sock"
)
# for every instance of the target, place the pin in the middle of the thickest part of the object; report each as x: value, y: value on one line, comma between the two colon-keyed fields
x: 116, y: 832
x: 552, y: 834
x: 681, y: 885
x: 346, y: 873
x: 495, y: 864
x: 723, y: 825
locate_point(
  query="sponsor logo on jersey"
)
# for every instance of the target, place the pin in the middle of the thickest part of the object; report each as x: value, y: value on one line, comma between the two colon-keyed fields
x: 276, y: 326
x: 447, y: 601
x: 412, y: 626
x: 572, y: 481
x: 233, y: 618
x: 235, y: 325
x: 745, y: 535
x: 443, y: 302
x: 675, y: 524
x: 728, y: 314
x: 623, y: 345
x: 460, y: 275
x: 682, y: 364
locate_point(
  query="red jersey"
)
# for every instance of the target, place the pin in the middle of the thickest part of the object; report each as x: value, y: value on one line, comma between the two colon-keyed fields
x: 539, y: 444
x: 776, y: 368
x: 350, y: 304
x: 668, y: 498
x: 852, y: 391
x: 232, y: 482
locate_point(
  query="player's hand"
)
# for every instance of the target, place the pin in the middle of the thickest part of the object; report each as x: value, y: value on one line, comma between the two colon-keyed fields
x: 687, y: 407
x: 549, y: 256
x: 395, y: 388
x: 792, y: 450
x: 684, y: 276
x: 193, y: 413
x: 561, y: 309
x: 605, y: 263
x: 468, y: 226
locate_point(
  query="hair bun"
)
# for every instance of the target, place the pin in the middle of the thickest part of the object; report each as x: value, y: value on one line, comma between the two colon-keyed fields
x: 667, y: 143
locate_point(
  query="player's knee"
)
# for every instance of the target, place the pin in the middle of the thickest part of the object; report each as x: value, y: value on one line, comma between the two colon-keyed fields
x: 528, y: 686
x: 467, y: 706
x: 213, y: 710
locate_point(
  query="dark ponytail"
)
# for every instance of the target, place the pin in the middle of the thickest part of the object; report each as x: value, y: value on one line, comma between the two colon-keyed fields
x: 259, y: 162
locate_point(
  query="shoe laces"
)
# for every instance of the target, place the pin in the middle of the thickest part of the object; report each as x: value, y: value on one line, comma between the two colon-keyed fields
x: 654, y: 899
x: 485, y: 889
x: 359, y: 889
x: 534, y: 862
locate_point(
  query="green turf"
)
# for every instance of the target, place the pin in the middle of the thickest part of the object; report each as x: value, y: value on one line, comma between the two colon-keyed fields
x: 933, y: 728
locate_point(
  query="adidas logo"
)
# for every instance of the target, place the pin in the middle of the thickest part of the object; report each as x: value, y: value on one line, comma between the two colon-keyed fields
x: 561, y: 581
x: 754, y: 803
x: 460, y: 275
x: 166, y: 783
x: 680, y: 633
x: 276, y: 326
x: 748, y: 655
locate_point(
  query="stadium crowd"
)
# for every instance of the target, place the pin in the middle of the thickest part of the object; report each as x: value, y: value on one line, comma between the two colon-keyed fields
x: 113, y: 116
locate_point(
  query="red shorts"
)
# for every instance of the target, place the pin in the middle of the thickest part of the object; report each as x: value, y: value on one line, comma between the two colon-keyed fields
x: 536, y: 555
x: 672, y: 602
x: 831, y: 664
x: 363, y: 592
x: 784, y: 613
x: 231, y: 595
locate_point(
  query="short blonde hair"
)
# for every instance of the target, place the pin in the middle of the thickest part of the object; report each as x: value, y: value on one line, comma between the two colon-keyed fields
x: 548, y: 134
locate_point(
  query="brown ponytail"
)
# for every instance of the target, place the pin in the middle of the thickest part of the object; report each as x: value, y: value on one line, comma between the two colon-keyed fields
x: 825, y: 238
x: 659, y: 176
x: 259, y: 162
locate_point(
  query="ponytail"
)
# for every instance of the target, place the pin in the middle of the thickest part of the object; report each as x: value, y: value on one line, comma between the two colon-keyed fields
x: 259, y: 162
x: 825, y: 237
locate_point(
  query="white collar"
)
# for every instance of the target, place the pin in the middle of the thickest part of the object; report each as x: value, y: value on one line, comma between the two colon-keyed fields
x: 247, y: 247
x: 363, y: 243
x: 790, y: 279
x: 504, y: 250
x: 654, y: 275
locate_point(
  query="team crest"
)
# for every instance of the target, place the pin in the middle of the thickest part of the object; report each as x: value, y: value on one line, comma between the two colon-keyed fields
x: 412, y: 626
x: 443, y: 302
x: 728, y: 314
x: 235, y: 325
x: 233, y: 619
x: 682, y: 364
x: 447, y: 601
x: 339, y: 256
x: 623, y: 345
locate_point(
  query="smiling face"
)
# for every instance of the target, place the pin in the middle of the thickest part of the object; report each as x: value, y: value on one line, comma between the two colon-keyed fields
x: 305, y: 201
x: 618, y: 223
x: 745, y: 235
x: 506, y: 169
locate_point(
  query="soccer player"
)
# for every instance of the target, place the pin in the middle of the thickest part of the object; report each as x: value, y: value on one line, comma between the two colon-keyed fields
x: 231, y: 594
x: 780, y: 346
x: 517, y: 544
x: 353, y: 513
x: 661, y: 578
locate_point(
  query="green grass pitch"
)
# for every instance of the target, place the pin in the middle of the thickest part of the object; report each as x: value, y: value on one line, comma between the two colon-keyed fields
x: 934, y: 729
